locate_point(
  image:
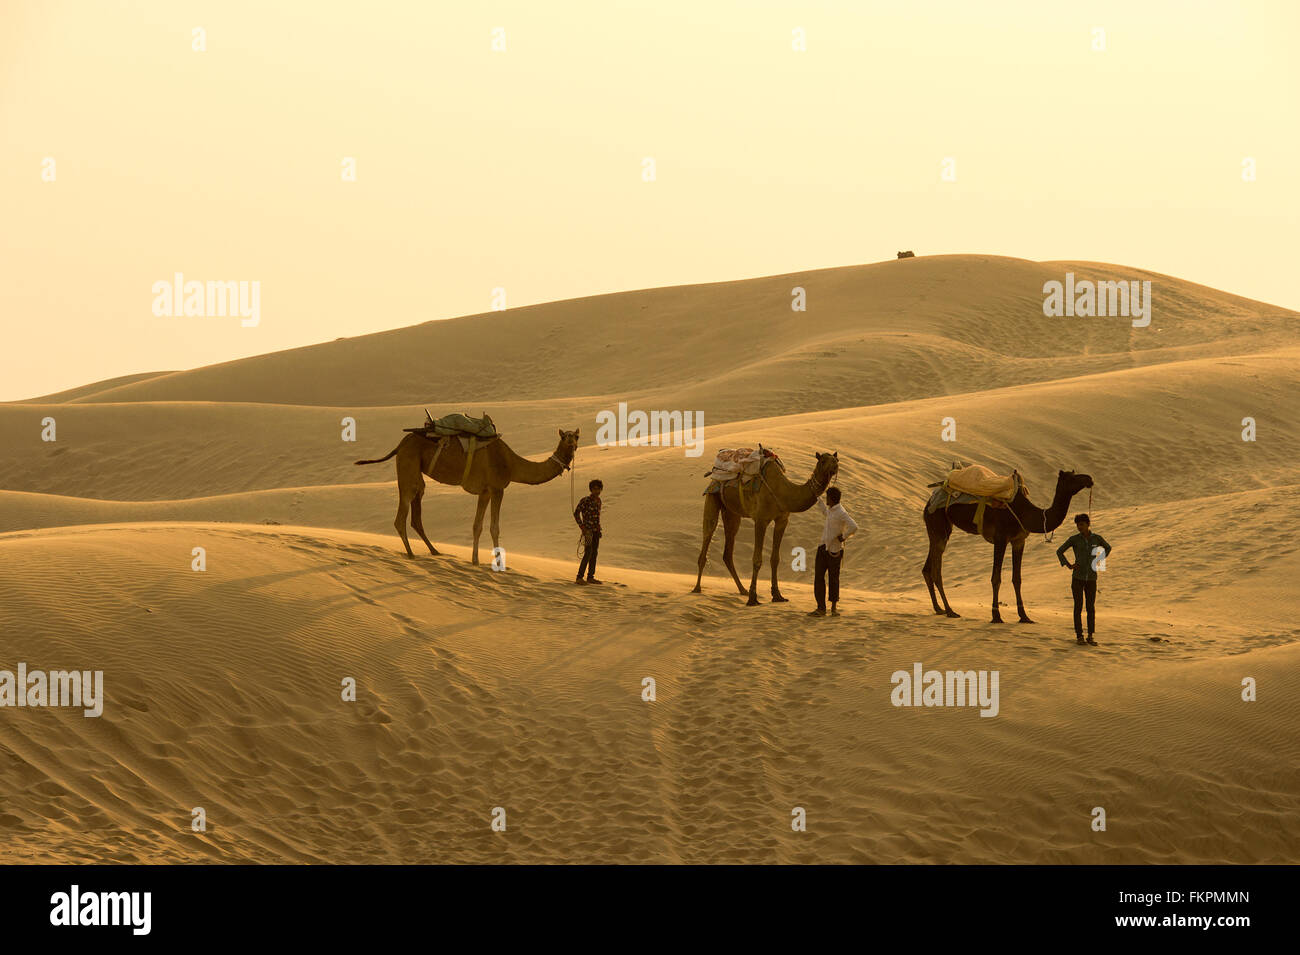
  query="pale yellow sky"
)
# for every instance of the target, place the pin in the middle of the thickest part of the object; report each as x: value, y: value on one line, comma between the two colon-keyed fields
x: 523, y: 169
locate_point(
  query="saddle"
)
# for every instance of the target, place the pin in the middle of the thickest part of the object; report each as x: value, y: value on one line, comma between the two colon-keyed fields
x: 978, y: 485
x: 459, y: 425
x: 472, y: 433
x: 741, y: 468
x: 735, y: 463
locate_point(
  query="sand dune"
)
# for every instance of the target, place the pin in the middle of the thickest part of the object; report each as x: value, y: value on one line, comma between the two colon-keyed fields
x: 700, y: 332
x: 480, y: 689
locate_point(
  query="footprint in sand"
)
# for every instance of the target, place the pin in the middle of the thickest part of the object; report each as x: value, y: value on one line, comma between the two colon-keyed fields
x: 407, y: 624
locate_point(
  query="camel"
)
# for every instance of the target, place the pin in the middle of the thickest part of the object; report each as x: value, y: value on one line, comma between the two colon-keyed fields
x: 1002, y: 526
x: 909, y: 254
x: 775, y: 499
x: 493, y: 468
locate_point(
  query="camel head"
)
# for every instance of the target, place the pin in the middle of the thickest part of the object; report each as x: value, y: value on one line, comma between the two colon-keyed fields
x: 827, y: 467
x: 1072, y: 483
x: 567, y: 447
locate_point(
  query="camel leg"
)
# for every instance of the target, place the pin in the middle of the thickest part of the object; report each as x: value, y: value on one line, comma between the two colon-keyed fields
x: 417, y: 521
x: 478, y: 521
x: 404, y: 497
x: 932, y: 569
x: 930, y: 578
x: 778, y: 531
x: 935, y: 563
x: 760, y: 532
x: 932, y: 556
x: 730, y: 528
x: 930, y: 559
x: 711, y: 511
x: 999, y: 552
x: 495, y: 526
x: 1017, y: 552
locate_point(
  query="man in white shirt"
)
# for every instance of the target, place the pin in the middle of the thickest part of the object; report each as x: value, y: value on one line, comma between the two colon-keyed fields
x: 839, y: 528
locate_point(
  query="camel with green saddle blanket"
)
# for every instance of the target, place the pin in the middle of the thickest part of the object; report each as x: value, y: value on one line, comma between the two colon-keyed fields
x: 469, y: 453
x: 978, y: 485
x: 997, y: 508
x: 751, y: 483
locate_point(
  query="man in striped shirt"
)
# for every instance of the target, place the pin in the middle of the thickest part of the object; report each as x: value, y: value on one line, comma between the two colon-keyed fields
x: 587, y: 516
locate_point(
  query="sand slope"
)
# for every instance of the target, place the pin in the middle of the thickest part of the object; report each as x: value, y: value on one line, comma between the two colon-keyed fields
x: 517, y: 689
x: 224, y: 693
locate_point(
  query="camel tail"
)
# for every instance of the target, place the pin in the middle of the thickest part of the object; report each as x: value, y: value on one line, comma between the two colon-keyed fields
x: 379, y: 460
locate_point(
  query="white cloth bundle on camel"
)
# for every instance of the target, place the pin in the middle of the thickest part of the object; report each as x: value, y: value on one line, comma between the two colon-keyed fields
x: 733, y: 463
x: 979, y: 481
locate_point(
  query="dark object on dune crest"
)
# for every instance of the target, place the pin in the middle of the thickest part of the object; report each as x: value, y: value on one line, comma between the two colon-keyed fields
x: 909, y: 254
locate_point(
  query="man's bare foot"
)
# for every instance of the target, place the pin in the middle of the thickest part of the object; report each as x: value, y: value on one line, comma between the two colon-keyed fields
x: 819, y: 612
x: 593, y: 580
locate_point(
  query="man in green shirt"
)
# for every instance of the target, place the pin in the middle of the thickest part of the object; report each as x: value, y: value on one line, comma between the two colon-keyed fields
x: 1090, y: 551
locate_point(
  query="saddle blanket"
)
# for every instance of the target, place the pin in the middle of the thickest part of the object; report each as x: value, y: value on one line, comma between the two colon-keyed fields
x: 746, y: 486
x: 943, y: 497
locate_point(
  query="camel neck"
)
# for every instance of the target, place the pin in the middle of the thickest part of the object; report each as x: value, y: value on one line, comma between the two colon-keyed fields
x: 524, y: 471
x: 797, y: 497
x: 1034, y: 518
x: 1056, y: 512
